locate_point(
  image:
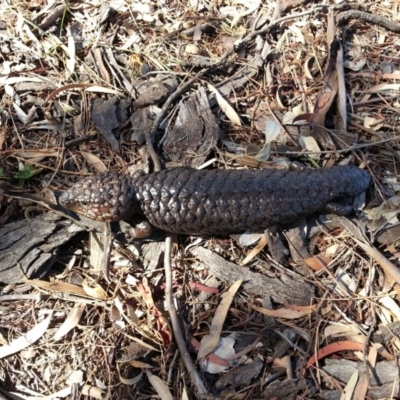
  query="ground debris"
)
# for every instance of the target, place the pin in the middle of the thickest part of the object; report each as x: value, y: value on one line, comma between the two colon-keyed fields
x: 90, y: 87
x: 241, y: 375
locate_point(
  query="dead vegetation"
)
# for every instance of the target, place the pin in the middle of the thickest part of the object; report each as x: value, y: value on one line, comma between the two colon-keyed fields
x: 306, y: 311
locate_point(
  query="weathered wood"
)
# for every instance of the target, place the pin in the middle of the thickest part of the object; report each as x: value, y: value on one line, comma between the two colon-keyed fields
x: 384, y: 380
x: 387, y: 333
x: 242, y: 375
x: 153, y: 253
x: 29, y: 247
x: 283, y: 290
x: 287, y: 389
x: 195, y: 132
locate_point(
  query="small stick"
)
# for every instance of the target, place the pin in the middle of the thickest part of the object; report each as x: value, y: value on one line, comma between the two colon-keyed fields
x: 180, y: 340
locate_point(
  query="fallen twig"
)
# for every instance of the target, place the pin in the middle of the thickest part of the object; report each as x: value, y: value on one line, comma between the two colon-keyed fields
x: 180, y: 340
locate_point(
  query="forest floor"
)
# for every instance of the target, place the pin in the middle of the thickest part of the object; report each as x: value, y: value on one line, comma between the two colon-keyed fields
x: 307, y: 311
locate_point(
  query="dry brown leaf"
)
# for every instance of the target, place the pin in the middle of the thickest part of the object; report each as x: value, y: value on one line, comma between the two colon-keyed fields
x: 71, y: 321
x: 95, y: 291
x: 139, y: 364
x: 260, y: 245
x: 373, y: 123
x: 96, y: 250
x: 26, y: 340
x: 37, y: 154
x: 144, y: 344
x: 285, y: 312
x: 95, y: 392
x: 310, y: 144
x: 88, y: 87
x: 317, y: 263
x: 57, y: 286
x: 226, y: 108
x: 211, y: 357
x: 95, y: 161
x: 334, y: 348
x: 5, y: 72
x: 360, y: 392
x: 391, y: 306
x: 131, y: 381
x: 160, y: 387
x: 350, y: 387
x: 340, y: 330
x: 209, y: 342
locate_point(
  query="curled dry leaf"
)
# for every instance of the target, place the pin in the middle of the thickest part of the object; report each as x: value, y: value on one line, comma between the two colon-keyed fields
x: 311, y: 68
x: 212, y: 357
x: 225, y: 350
x: 139, y: 364
x: 373, y: 123
x: 310, y: 144
x: 350, y: 387
x: 95, y: 290
x: 159, y: 386
x: 209, y: 342
x: 225, y: 106
x: 26, y: 340
x: 131, y: 381
x: 317, y: 263
x: 391, y: 306
x: 271, y: 131
x: 285, y: 312
x: 94, y: 161
x: 334, y: 348
x: 71, y: 321
x: 260, y: 245
x: 356, y: 60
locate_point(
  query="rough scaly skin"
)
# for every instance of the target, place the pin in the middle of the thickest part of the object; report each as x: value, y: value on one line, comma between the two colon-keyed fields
x: 214, y: 202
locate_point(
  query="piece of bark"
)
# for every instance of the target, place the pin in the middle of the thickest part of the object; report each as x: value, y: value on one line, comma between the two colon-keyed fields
x: 283, y: 290
x: 296, y: 238
x: 153, y: 253
x: 389, y: 235
x: 242, y: 375
x: 386, y: 333
x: 155, y: 90
x: 104, y: 115
x: 287, y: 389
x: 29, y: 247
x: 384, y: 380
x: 195, y: 132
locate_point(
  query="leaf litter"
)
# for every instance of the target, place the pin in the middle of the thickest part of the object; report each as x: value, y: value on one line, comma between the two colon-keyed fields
x: 228, y: 85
